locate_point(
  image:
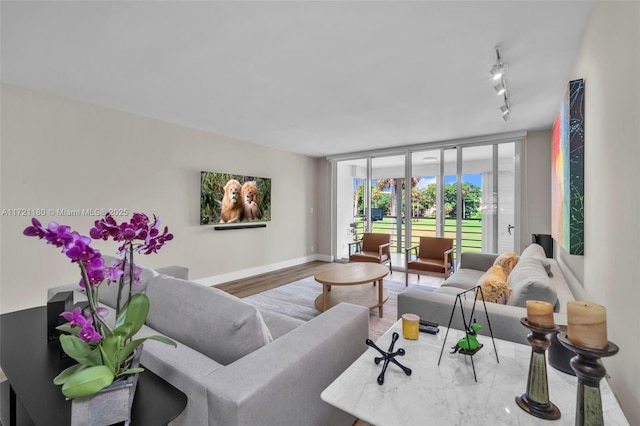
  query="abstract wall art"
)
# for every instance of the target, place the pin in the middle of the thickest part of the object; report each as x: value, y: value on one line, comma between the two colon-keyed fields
x: 567, y: 171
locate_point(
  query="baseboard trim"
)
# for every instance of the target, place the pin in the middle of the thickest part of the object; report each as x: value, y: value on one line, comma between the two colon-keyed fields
x: 244, y: 273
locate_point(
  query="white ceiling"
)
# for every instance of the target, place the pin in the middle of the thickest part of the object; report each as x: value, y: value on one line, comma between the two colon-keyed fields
x: 312, y: 77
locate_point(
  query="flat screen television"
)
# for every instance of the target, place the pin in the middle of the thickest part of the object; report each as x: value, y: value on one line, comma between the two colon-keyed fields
x: 231, y: 198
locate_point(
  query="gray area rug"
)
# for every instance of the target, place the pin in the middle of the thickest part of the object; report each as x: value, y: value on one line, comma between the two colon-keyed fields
x: 297, y: 299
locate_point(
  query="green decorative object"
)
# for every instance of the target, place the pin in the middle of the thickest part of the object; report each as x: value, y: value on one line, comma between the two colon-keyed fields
x: 535, y: 400
x: 469, y: 344
x: 590, y: 372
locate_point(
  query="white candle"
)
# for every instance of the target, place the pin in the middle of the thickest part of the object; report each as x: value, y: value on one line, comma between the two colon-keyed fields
x: 540, y: 313
x: 587, y: 324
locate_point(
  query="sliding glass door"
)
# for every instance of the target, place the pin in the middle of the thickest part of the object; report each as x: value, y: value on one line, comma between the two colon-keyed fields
x: 462, y: 192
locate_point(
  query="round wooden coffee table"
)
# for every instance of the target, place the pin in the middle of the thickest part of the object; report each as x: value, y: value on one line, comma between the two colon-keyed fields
x: 347, y: 276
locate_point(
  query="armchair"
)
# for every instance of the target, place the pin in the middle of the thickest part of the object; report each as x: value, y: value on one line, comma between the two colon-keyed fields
x: 432, y: 255
x: 372, y: 247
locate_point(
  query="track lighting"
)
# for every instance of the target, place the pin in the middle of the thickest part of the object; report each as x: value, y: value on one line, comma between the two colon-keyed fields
x: 505, y: 110
x: 497, y: 72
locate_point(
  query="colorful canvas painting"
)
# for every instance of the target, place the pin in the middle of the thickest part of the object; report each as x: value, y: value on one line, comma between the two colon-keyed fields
x: 567, y: 176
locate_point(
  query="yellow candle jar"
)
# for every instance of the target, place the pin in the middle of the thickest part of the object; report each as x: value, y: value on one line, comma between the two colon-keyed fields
x: 540, y: 314
x: 410, y: 326
x: 587, y: 324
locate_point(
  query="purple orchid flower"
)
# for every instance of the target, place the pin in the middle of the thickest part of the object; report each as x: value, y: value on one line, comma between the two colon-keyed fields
x: 75, y: 318
x: 55, y: 234
x: 88, y: 334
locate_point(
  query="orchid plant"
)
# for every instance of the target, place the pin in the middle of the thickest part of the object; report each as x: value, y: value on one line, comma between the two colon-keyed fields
x: 100, y: 349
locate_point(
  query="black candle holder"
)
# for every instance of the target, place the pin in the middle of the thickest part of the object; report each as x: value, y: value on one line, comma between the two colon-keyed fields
x: 590, y: 371
x: 388, y: 357
x: 535, y: 400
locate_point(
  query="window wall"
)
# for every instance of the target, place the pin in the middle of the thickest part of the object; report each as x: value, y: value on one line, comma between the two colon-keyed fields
x: 462, y: 191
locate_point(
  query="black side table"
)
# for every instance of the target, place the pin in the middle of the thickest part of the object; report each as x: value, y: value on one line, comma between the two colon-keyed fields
x: 30, y: 363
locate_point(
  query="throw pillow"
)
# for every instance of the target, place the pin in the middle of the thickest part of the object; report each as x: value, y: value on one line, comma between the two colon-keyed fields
x: 212, y: 322
x: 529, y: 281
x: 494, y: 285
x: 507, y: 261
x: 537, y: 252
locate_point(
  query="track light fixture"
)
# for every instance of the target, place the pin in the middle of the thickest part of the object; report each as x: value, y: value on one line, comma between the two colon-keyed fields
x: 498, y: 71
x: 505, y: 109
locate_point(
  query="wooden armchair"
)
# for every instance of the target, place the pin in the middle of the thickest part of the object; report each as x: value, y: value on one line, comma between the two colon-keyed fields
x: 433, y: 255
x: 371, y: 248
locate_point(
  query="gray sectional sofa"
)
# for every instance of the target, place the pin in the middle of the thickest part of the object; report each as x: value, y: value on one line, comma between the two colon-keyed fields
x: 534, y: 277
x: 236, y: 365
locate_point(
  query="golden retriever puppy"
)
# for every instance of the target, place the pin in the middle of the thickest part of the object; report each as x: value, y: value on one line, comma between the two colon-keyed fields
x: 232, y: 206
x: 251, y: 199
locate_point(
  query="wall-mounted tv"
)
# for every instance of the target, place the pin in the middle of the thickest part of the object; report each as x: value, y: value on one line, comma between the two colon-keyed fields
x: 230, y: 198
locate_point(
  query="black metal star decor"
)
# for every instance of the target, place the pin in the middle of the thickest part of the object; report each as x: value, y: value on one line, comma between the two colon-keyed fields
x: 388, y: 357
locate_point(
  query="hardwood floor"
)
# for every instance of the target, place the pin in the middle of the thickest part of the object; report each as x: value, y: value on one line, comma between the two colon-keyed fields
x: 263, y: 282
x: 258, y: 283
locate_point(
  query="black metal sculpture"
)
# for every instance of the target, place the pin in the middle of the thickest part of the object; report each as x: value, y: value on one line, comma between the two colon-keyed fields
x: 389, y: 356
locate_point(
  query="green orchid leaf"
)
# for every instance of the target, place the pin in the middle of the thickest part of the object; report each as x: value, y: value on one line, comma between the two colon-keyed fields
x: 87, y: 382
x: 124, y: 330
x: 162, y: 339
x: 135, y: 313
x: 129, y: 348
x: 131, y: 371
x: 80, y: 351
x: 95, y: 358
x: 74, y: 346
x: 110, y: 349
x: 66, y: 373
x: 66, y: 328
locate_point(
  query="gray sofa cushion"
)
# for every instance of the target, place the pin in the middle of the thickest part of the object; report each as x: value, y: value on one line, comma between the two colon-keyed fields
x: 537, y: 252
x: 279, y: 324
x: 477, y: 261
x: 529, y: 281
x: 206, y: 319
x: 464, y: 278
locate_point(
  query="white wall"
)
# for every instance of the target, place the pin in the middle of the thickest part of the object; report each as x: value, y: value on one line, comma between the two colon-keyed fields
x: 609, y: 62
x: 536, y: 196
x: 59, y: 153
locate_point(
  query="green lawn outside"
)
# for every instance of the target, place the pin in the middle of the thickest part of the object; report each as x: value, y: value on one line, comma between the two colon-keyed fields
x: 471, y: 230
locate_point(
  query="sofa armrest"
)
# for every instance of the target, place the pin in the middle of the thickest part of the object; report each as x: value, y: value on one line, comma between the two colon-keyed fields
x: 280, y: 383
x: 477, y: 261
x: 175, y: 271
x: 436, y: 307
x: 78, y: 295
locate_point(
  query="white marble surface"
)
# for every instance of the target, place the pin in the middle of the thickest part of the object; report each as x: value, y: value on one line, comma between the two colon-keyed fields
x: 447, y: 394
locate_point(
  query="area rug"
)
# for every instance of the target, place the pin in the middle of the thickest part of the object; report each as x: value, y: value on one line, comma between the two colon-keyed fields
x: 297, y: 299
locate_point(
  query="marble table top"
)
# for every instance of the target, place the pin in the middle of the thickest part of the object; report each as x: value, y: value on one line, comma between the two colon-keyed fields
x: 447, y: 394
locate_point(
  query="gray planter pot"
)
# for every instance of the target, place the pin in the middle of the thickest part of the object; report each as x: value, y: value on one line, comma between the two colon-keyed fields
x: 111, y: 405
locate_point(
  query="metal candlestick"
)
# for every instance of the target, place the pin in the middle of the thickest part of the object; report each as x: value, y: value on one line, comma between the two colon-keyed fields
x: 535, y: 400
x: 589, y: 370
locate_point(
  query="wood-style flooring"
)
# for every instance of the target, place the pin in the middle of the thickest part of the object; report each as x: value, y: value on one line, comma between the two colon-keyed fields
x: 377, y: 326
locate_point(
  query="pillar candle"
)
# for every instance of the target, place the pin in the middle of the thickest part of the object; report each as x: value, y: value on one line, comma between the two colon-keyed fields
x: 410, y: 326
x: 587, y: 324
x: 540, y: 313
